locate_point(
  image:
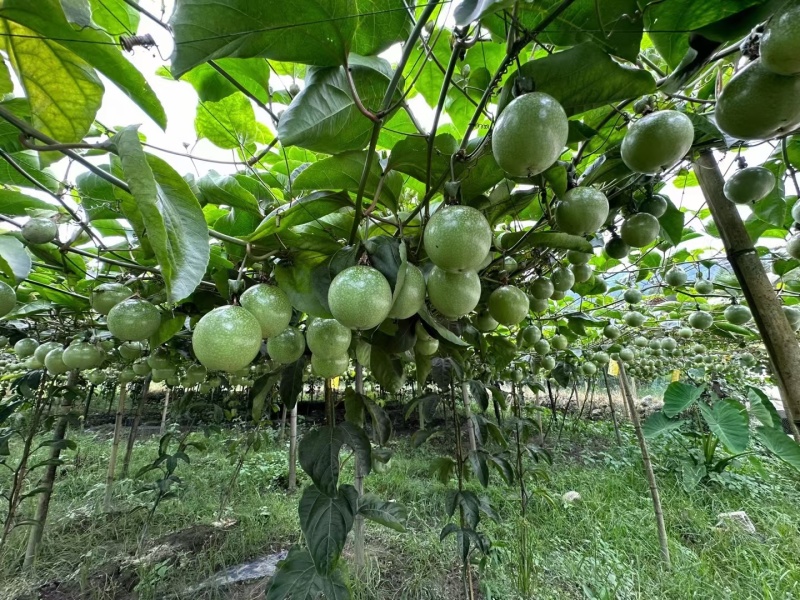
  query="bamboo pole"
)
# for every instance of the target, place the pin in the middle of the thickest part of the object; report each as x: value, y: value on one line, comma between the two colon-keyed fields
x: 126, y: 462
x: 164, y: 414
x: 293, y: 449
x: 359, y: 542
x: 112, y: 461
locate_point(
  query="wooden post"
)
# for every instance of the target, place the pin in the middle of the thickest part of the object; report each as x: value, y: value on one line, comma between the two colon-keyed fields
x: 126, y: 462
x: 112, y: 461
x: 48, y: 480
x: 292, y: 449
x: 164, y: 414
x: 648, y: 466
x: 89, y: 395
x: 776, y: 333
x: 473, y: 444
x: 613, y: 411
x: 358, y: 525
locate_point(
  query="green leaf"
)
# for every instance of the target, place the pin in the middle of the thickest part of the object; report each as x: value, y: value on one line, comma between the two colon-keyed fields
x: 468, y: 11
x: 93, y: 46
x: 440, y: 329
x: 692, y: 474
x: 582, y: 78
x: 325, y: 522
x: 212, y: 86
x: 762, y: 408
x: 382, y: 23
x: 14, y: 261
x: 772, y: 209
x: 225, y: 190
x: 386, y: 369
x: 672, y: 224
x: 324, y: 117
x: 228, y: 123
x: 77, y: 12
x: 679, y: 396
x: 780, y: 444
x: 389, y: 514
x: 343, y: 172
x: 304, y: 210
x: 547, y: 239
x: 171, y: 323
x: 64, y: 92
x: 115, y: 16
x: 298, y: 280
x: 291, y: 385
x: 312, y: 32
x: 410, y: 156
x: 172, y: 216
x: 318, y: 454
x: 297, y: 579
x: 728, y: 421
x: 658, y: 423
x: 381, y: 423
x: 17, y: 204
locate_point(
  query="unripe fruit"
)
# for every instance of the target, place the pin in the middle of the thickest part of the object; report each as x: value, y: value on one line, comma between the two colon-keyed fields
x: 327, y: 338
x: 286, y: 347
x: 411, y: 296
x: 426, y: 344
x: 509, y: 264
x: 589, y: 368
x: 130, y: 350
x: 578, y: 258
x: 531, y: 335
x: 82, y: 355
x: 538, y: 305
x: 562, y: 279
x: 582, y: 211
x: 655, y: 205
x: 749, y: 185
x: 703, y: 286
x: 484, y: 321
x: 700, y: 319
x: 548, y: 363
x: 640, y: 230
x: 675, y: 277
x: 270, y: 306
x: 8, y: 298
x: 617, y: 248
x: 542, y: 347
x: 542, y: 288
x: 360, y: 297
x: 141, y: 368
x: 226, y: 339
x: 634, y: 319
x: 457, y: 238
x: 25, y: 347
x: 559, y: 342
x: 779, y: 46
x: 530, y: 135
x: 793, y: 247
x: 54, y: 362
x: 792, y: 314
x: 43, y: 349
x: 632, y: 296
x: 133, y: 319
x: 656, y: 142
x: 611, y: 332
x: 736, y: 314
x: 39, y: 231
x: 107, y: 295
x: 329, y: 367
x: 454, y: 294
x: 508, y: 305
x: 582, y: 273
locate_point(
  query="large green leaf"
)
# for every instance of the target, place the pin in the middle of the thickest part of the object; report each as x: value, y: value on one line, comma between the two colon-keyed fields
x: 762, y: 408
x: 304, y: 210
x: 672, y: 224
x: 727, y: 419
x: 212, y: 86
x: 225, y: 190
x: 659, y: 423
x: 772, y: 208
x: 291, y: 385
x: 92, y: 45
x: 410, y: 156
x: 77, y: 12
x: 387, y: 369
x: 389, y: 514
x: 17, y: 204
x: 343, y: 172
x: 679, y: 396
x: 324, y: 117
x: 325, y: 522
x: 582, y: 78
x: 228, y: 123
x: 173, y: 219
x: 300, y: 279
x: 381, y: 24
x: 318, y: 454
x: 117, y: 17
x: 780, y: 444
x: 14, y: 261
x: 297, y: 579
x: 468, y: 11
x: 64, y: 91
x: 313, y: 32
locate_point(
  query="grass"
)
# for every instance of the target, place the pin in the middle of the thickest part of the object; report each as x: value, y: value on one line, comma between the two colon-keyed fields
x: 604, y: 546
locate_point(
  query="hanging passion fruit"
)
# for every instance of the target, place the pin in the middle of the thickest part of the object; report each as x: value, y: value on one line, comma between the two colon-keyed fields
x: 657, y: 141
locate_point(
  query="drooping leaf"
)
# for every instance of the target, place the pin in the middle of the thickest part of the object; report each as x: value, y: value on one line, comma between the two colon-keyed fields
x: 324, y: 117
x: 780, y: 444
x: 300, y: 211
x: 173, y: 219
x: 318, y: 453
x: 94, y: 46
x: 389, y: 514
x: 343, y: 172
x: 727, y: 419
x: 410, y: 156
x: 300, y: 281
x: 297, y: 579
x: 213, y: 86
x: 14, y: 261
x: 227, y: 123
x: 291, y: 385
x: 680, y: 396
x: 117, y: 17
x: 171, y: 323
x: 325, y: 522
x: 582, y: 78
x: 763, y: 408
x: 381, y: 24
x: 225, y: 190
x: 312, y: 32
x: 658, y: 423
x: 387, y: 369
x: 77, y: 12
x: 468, y: 11
x: 17, y: 204
x: 672, y: 224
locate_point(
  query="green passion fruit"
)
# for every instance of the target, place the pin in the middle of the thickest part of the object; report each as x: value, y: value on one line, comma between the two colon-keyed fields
x: 675, y: 277
x: 779, y: 46
x: 582, y: 273
x: 39, y: 231
x: 327, y: 338
x: 107, y: 295
x: 531, y: 335
x: 655, y: 205
x: 736, y: 314
x: 484, y: 322
x: 701, y: 319
x: 82, y: 356
x: 657, y: 141
x: 542, y: 288
x: 632, y: 296
x: 792, y: 314
x: 640, y: 230
x: 329, y: 367
x: 25, y: 347
x: 41, y: 351
x: 270, y: 306
x: 793, y: 247
x: 548, y: 363
x: 133, y: 319
x: 226, y: 339
x: 287, y: 346
x: 758, y: 104
x: 454, y: 294
x: 612, y: 332
x: 559, y: 342
x: 457, y: 238
x: 8, y: 298
x: 141, y: 368
x: 54, y: 362
x: 617, y: 248
x: 542, y: 347
x: 562, y: 279
x: 130, y: 350
x: 634, y: 318
x: 582, y: 211
x: 578, y: 258
x: 508, y: 305
x: 411, y: 296
x: 703, y: 286
x: 749, y: 185
x: 360, y: 297
x: 426, y: 344
x: 530, y: 135
x: 538, y: 305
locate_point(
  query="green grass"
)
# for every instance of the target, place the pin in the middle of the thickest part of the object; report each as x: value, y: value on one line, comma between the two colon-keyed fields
x: 604, y: 546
